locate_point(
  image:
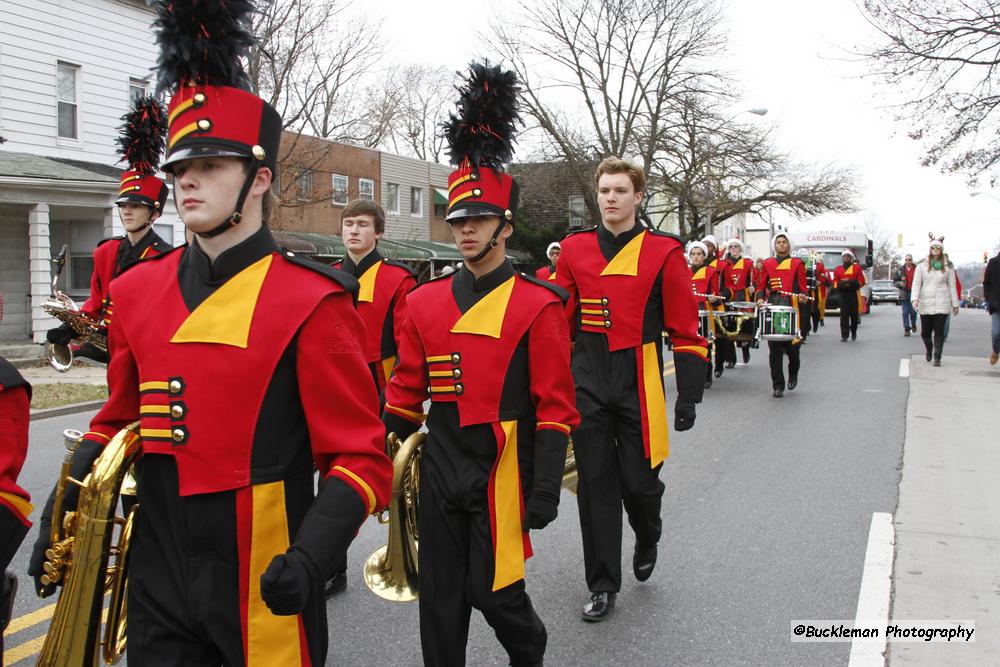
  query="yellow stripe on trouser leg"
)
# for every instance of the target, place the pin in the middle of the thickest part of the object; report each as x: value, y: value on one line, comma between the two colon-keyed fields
x: 271, y: 640
x: 509, y: 547
x: 656, y: 406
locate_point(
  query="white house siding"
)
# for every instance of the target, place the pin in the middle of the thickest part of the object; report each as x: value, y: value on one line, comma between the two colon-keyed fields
x: 14, y: 271
x: 111, y: 42
x: 407, y: 173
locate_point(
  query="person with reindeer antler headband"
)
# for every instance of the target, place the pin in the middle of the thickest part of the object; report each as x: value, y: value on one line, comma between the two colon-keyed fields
x: 140, y: 202
x: 628, y: 283
x: 489, y: 346
x: 935, y: 297
x: 247, y: 384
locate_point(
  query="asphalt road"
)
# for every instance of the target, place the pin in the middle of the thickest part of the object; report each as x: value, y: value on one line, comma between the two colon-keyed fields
x: 766, y: 520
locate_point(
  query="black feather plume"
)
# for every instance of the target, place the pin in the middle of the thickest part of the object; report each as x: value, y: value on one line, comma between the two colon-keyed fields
x: 142, y: 135
x: 202, y: 41
x: 481, y: 133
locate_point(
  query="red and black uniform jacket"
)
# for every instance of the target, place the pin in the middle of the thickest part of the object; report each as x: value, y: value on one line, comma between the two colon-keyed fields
x: 546, y: 272
x: 627, y: 290
x: 738, y: 278
x: 705, y: 280
x: 15, y: 505
x: 383, y: 285
x: 112, y: 257
x: 851, y: 277
x: 244, y: 370
x: 782, y: 274
x: 490, y: 353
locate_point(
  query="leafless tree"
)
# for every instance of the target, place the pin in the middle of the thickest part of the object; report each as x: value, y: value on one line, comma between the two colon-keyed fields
x: 886, y: 255
x: 942, y: 56
x: 426, y: 96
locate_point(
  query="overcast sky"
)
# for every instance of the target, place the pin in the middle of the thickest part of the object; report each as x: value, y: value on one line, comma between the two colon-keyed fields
x: 791, y: 57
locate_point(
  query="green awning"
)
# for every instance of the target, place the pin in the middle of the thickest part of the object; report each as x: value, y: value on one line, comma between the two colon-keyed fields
x: 326, y: 246
x: 440, y: 196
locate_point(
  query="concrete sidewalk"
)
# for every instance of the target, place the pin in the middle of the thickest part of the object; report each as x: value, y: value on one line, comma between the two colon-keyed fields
x: 947, y: 563
x: 78, y: 374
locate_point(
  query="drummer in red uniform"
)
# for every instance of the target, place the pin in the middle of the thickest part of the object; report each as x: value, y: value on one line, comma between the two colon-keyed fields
x: 738, y: 279
x: 706, y: 282
x: 848, y: 279
x: 725, y: 349
x: 782, y: 278
x: 549, y: 272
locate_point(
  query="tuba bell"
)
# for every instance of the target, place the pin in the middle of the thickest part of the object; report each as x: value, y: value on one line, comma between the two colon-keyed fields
x: 60, y: 306
x: 82, y: 548
x: 391, y: 571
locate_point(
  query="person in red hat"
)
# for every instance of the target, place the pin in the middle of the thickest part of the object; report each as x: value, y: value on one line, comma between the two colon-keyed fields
x: 490, y: 348
x: 246, y: 385
x: 140, y: 202
x: 15, y: 502
x: 627, y: 284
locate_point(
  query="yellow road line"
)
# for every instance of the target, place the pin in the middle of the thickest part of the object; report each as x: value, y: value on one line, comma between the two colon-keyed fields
x: 28, y: 620
x: 25, y: 650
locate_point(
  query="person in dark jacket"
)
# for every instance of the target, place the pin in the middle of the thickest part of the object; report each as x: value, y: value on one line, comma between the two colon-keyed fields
x: 991, y: 292
x: 903, y: 280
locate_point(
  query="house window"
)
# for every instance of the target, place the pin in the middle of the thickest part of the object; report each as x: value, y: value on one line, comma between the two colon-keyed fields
x: 577, y: 211
x: 66, y: 85
x: 366, y: 188
x: 416, y: 201
x: 165, y: 231
x: 136, y: 90
x: 392, y: 197
x: 305, y: 183
x: 340, y: 189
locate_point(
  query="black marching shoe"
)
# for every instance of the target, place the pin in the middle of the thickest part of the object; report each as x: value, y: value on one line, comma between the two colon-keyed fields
x: 730, y: 364
x: 746, y: 354
x: 599, y: 608
x: 843, y: 339
x: 793, y: 382
x: 779, y: 392
x: 708, y: 383
x: 854, y: 335
x: 643, y: 562
x: 335, y: 584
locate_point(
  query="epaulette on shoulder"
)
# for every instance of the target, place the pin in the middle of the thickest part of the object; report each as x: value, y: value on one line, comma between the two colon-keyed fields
x: 549, y: 285
x: 168, y: 251
x: 344, y: 279
x: 435, y: 279
x: 592, y: 228
x: 113, y: 238
x: 402, y: 265
x: 162, y: 246
x: 659, y: 232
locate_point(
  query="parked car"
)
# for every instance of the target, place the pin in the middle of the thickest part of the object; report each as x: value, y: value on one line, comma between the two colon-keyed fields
x: 883, y: 291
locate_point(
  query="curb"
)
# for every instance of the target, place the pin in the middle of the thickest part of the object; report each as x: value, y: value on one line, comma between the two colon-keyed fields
x: 65, y: 410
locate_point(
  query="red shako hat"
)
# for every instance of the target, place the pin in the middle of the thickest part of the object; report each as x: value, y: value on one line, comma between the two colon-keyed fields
x: 140, y: 143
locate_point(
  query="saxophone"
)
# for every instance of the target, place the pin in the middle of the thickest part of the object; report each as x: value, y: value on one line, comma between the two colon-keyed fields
x: 60, y: 306
x: 80, y: 556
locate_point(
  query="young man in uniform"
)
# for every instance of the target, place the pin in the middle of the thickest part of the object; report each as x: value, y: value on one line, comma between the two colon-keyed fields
x: 848, y: 279
x: 706, y: 282
x: 627, y: 284
x: 725, y: 349
x: 383, y: 285
x: 817, y: 290
x: 738, y: 279
x: 140, y: 202
x: 15, y: 505
x: 549, y: 272
x: 241, y: 364
x: 782, y: 278
x: 492, y: 347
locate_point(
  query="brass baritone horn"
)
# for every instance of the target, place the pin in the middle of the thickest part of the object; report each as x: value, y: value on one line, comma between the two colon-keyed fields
x: 80, y: 554
x: 391, y: 571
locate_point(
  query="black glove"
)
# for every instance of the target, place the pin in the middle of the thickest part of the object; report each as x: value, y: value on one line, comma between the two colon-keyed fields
x: 288, y: 582
x: 401, y: 426
x: 542, y: 505
x: 298, y: 575
x: 83, y: 460
x: 61, y: 335
x: 684, y: 414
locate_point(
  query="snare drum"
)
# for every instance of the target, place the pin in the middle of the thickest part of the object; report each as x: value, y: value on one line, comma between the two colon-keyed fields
x: 779, y: 323
x: 706, y: 327
x: 738, y: 322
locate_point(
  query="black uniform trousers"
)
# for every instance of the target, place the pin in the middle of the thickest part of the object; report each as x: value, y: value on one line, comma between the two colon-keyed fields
x: 184, y: 574
x: 611, y: 462
x: 777, y: 351
x: 456, y: 557
x: 848, y: 312
x: 805, y: 315
x: 813, y: 316
x: 725, y: 350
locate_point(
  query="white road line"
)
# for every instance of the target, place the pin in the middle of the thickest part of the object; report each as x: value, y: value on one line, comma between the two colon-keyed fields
x: 904, y: 368
x: 876, y: 585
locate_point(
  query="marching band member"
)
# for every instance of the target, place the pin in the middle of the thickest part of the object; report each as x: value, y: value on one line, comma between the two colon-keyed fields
x: 848, y: 279
x: 383, y: 285
x: 725, y: 349
x: 492, y: 346
x: 738, y: 279
x: 806, y: 305
x: 549, y: 272
x: 627, y: 284
x: 140, y: 202
x: 782, y: 277
x: 15, y: 505
x: 706, y: 282
x: 246, y: 383
x: 817, y: 291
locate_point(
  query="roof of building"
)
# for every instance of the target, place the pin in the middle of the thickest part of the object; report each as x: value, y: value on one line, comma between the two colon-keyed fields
x: 27, y: 165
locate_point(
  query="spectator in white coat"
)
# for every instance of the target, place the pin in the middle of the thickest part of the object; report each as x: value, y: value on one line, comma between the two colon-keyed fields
x: 934, y: 297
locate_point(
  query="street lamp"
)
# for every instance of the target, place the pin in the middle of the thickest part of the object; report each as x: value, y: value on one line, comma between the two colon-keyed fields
x: 981, y: 192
